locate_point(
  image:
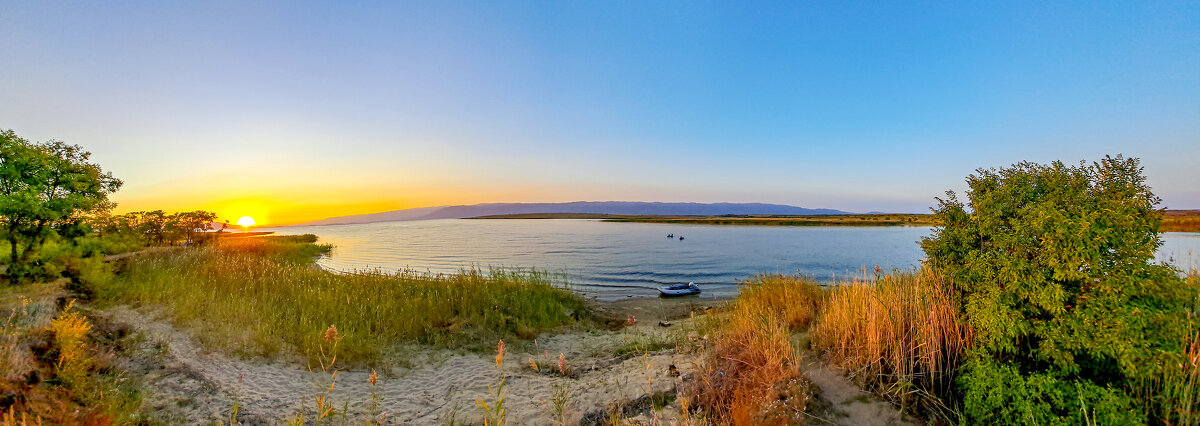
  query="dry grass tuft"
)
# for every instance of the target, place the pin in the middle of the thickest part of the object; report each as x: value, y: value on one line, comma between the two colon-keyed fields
x: 70, y: 329
x: 10, y: 417
x: 51, y: 369
x: 752, y: 372
x: 793, y: 300
x: 900, y: 335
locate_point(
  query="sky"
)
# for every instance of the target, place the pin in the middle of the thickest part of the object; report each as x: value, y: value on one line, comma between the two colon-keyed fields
x: 295, y: 111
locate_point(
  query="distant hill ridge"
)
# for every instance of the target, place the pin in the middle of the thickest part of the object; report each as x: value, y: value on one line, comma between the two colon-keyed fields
x: 594, y: 207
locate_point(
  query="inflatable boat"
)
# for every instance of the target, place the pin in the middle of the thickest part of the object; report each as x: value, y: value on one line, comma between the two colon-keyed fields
x: 680, y: 290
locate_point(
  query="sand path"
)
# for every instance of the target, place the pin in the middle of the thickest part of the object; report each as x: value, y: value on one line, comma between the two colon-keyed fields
x: 838, y: 400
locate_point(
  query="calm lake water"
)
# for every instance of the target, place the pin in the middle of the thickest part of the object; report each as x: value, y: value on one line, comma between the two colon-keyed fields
x: 612, y: 260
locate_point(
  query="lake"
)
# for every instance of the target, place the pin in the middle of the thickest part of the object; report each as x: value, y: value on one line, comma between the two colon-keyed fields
x: 615, y: 260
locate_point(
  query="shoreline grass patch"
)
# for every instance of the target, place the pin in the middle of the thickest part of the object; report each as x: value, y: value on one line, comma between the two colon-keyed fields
x: 262, y: 296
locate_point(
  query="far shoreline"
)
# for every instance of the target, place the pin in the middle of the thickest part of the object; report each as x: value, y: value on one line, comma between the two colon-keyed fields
x: 881, y: 219
x: 1173, y: 220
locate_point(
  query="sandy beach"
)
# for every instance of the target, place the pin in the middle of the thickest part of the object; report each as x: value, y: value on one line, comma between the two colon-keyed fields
x: 604, y: 375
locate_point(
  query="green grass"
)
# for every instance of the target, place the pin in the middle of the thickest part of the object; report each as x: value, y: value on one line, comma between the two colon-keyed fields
x: 640, y: 344
x: 263, y: 296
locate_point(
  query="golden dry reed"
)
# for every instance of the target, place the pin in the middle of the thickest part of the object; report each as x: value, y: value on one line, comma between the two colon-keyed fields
x: 11, y: 418
x: 751, y: 362
x: 900, y: 334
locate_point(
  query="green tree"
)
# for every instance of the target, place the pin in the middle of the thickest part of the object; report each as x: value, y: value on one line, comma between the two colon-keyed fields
x: 187, y: 225
x: 1053, y: 267
x: 152, y: 225
x: 44, y: 187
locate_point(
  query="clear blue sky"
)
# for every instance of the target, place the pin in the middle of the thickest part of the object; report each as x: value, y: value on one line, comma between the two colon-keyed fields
x: 361, y: 106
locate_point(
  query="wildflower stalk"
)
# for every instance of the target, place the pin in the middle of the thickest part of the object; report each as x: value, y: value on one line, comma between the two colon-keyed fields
x: 494, y: 414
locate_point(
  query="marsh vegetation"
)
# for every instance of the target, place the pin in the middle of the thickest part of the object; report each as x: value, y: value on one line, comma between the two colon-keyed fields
x: 263, y: 296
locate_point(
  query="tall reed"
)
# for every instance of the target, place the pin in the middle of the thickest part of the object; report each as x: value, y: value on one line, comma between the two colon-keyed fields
x: 900, y: 334
x: 1173, y: 397
x: 262, y: 296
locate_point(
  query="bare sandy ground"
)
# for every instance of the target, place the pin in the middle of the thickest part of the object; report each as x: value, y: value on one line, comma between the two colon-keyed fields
x: 839, y: 401
x: 193, y: 385
x: 190, y: 385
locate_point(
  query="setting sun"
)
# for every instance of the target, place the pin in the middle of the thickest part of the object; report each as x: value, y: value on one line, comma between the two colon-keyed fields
x: 246, y: 222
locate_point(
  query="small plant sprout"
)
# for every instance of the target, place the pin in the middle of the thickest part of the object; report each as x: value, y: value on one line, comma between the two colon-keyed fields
x: 374, y: 407
x: 494, y: 413
x: 324, y: 406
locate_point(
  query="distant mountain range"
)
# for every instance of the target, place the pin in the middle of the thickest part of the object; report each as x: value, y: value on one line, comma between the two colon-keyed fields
x: 596, y: 207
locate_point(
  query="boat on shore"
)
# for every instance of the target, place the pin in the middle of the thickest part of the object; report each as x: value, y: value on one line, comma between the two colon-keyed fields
x: 679, y: 290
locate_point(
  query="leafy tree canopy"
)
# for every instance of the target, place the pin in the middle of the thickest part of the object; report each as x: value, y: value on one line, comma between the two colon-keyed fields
x: 45, y: 187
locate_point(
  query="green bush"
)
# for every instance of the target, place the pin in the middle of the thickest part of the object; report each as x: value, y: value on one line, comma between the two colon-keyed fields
x: 1053, y: 265
x: 102, y: 245
x: 998, y: 394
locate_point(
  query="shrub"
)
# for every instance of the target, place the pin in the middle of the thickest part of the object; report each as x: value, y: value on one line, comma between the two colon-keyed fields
x: 1052, y: 264
x: 70, y: 330
x: 999, y: 393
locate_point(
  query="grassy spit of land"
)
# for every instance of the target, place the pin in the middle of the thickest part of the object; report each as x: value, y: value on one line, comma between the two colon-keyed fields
x: 1180, y: 221
x: 760, y: 220
x: 1173, y: 220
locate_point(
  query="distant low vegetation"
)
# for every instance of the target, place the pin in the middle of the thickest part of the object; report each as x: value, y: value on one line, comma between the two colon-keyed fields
x: 760, y: 220
x: 818, y: 220
x: 1180, y: 221
x: 1172, y: 220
